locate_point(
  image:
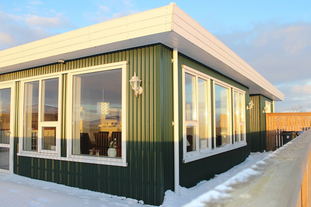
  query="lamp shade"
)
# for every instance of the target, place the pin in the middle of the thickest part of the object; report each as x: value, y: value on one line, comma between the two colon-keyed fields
x: 135, y: 82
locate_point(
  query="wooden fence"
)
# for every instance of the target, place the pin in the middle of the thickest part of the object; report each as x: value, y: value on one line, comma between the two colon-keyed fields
x: 276, y: 123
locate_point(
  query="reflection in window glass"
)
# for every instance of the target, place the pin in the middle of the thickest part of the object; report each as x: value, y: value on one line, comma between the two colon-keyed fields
x: 5, y: 101
x: 49, y: 138
x: 191, y: 138
x: 190, y: 97
x: 239, y: 125
x: 50, y: 99
x: 221, y: 107
x: 237, y: 114
x: 30, y: 125
x: 97, y: 112
x: 4, y: 158
x: 242, y: 118
x: 202, y: 102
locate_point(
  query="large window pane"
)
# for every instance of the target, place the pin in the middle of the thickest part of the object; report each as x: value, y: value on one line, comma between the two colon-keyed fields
x: 50, y: 99
x: 30, y: 122
x: 4, y: 158
x: 97, y: 112
x: 239, y: 123
x: 191, y: 138
x: 221, y: 107
x: 49, y: 138
x: 237, y: 116
x: 242, y: 118
x: 202, y: 103
x: 190, y: 97
x: 5, y: 100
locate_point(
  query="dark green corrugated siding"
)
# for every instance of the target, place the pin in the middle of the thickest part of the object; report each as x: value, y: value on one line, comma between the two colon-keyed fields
x: 167, y: 111
x: 255, y: 125
x: 258, y: 123
x: 263, y: 100
x: 144, y: 177
x: 193, y: 172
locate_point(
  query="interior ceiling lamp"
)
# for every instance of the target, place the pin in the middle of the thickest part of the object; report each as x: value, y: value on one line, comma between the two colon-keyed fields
x: 103, y: 108
x: 135, y: 83
x: 250, y: 105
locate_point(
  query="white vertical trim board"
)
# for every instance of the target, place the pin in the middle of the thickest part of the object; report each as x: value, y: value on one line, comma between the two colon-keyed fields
x: 176, y: 121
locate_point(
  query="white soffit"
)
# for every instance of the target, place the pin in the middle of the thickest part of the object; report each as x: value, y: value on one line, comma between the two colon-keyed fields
x: 168, y: 25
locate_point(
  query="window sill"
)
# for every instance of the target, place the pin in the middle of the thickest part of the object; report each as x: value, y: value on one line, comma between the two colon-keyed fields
x: 98, y: 160
x: 41, y: 154
x: 4, y: 171
x: 208, y: 153
x: 75, y: 158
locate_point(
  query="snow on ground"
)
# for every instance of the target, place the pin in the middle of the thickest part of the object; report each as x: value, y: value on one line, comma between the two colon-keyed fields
x: 188, y: 194
x: 21, y: 191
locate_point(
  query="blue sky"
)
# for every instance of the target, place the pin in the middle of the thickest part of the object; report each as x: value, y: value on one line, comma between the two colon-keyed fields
x: 273, y: 36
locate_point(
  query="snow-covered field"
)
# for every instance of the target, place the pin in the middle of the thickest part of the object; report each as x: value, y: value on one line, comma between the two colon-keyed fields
x: 20, y: 191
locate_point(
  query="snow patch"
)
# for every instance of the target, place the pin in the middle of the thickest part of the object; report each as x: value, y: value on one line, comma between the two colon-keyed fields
x: 261, y: 162
x: 43, y: 200
x: 242, y: 176
x: 37, y: 193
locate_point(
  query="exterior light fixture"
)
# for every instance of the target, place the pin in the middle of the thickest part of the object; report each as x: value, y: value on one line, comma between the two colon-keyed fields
x: 265, y: 110
x: 61, y: 61
x: 250, y: 105
x: 135, y: 83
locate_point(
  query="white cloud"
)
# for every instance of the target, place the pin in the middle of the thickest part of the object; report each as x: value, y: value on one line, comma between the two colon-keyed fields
x: 294, y: 38
x: 304, y: 89
x: 21, y: 29
x: 35, y: 3
x: 57, y: 21
x: 104, y: 9
x: 122, y: 14
x: 281, y: 53
x: 6, y: 38
x: 128, y: 3
x: 108, y: 10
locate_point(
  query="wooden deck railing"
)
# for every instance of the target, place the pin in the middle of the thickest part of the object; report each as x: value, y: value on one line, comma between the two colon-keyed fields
x: 276, y: 123
x: 281, y: 180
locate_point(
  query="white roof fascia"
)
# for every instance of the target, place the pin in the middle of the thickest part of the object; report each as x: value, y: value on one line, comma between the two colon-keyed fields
x: 168, y: 25
x: 232, y: 65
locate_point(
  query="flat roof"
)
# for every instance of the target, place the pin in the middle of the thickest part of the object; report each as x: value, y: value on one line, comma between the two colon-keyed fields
x: 168, y: 25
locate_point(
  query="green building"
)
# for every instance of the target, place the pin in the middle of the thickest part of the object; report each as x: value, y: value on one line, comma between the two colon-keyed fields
x: 132, y: 107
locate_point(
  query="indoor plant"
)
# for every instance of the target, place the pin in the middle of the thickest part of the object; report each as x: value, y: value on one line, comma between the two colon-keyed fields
x: 112, y: 152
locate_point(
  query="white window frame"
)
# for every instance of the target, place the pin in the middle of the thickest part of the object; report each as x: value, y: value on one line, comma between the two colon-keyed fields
x: 94, y: 159
x: 242, y: 137
x: 195, y: 123
x: 229, y: 112
x: 41, y: 124
x: 212, y: 150
x: 10, y: 146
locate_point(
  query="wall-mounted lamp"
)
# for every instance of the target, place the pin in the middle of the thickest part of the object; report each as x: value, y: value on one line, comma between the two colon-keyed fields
x: 61, y: 61
x: 135, y: 83
x: 250, y: 105
x: 265, y: 110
